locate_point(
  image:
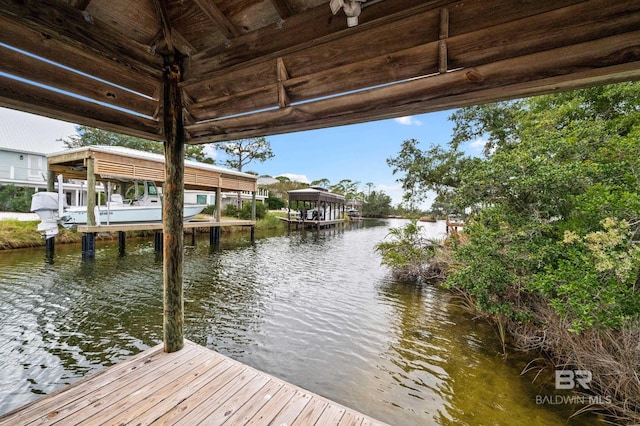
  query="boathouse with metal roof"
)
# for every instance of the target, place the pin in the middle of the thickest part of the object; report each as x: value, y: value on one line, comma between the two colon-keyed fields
x: 315, y: 207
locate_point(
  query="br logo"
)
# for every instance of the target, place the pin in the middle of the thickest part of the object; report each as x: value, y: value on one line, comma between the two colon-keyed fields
x: 569, y: 379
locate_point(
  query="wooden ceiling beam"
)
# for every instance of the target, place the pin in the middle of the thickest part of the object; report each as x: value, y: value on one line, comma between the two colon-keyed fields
x: 283, y: 7
x: 393, y: 67
x: 216, y: 16
x: 18, y: 64
x: 352, y: 48
x: 165, y: 24
x: 559, y: 27
x: 44, y: 46
x: 567, y: 67
x: 302, y: 30
x: 386, y: 38
x: 230, y: 94
x: 36, y: 100
x: 55, y: 20
x: 317, y: 26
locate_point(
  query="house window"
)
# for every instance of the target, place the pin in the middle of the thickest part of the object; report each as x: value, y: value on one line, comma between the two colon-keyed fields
x: 201, y: 199
x: 35, y: 168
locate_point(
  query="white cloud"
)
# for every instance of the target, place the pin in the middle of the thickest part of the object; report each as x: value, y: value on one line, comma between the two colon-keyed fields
x: 478, y: 144
x: 396, y: 193
x: 408, y: 121
x: 295, y: 178
x: 211, y: 151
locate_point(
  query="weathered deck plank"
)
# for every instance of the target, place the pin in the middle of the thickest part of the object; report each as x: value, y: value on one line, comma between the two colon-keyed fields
x: 192, y: 386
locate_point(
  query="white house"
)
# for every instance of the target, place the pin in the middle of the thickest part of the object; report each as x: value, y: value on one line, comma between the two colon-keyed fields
x: 25, y: 141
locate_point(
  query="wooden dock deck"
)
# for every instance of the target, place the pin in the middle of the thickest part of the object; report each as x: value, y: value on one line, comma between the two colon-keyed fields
x: 192, y: 386
x: 156, y: 226
x: 311, y: 223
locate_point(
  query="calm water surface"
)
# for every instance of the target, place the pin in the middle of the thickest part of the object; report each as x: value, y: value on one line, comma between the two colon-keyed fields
x: 316, y: 310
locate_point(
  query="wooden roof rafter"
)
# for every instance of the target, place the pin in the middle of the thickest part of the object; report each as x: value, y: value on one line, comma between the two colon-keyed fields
x: 68, y: 66
x: 214, y: 13
x: 262, y: 67
x: 283, y: 7
x: 441, y: 45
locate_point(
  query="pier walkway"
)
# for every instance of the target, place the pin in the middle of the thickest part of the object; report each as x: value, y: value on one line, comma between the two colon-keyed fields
x: 192, y: 386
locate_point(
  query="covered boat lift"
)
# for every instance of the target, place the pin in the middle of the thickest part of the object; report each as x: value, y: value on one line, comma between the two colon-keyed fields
x: 120, y: 164
x: 315, y: 207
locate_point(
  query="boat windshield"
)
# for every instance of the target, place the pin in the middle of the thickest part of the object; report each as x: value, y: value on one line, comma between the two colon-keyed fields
x: 136, y: 190
x: 151, y: 188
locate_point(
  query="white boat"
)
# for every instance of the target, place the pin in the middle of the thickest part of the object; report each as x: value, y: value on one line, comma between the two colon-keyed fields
x: 354, y: 214
x: 143, y: 204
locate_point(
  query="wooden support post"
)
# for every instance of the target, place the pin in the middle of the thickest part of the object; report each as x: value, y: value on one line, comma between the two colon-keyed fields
x: 253, y: 234
x: 253, y: 205
x: 88, y: 245
x: 91, y: 193
x: 218, y: 204
x: 172, y: 208
x: 51, y: 179
x: 214, y: 236
x: 122, y: 237
x: 50, y: 247
x: 158, y: 238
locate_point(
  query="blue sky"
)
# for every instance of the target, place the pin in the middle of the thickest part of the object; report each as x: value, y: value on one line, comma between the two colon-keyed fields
x: 357, y: 152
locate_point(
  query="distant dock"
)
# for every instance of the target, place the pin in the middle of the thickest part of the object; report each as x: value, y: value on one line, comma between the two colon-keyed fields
x: 192, y: 386
x: 318, y: 224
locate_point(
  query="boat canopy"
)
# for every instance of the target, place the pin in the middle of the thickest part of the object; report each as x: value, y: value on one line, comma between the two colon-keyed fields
x: 315, y: 195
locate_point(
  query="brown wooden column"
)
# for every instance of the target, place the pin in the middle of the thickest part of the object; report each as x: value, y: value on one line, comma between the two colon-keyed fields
x: 253, y: 205
x: 218, y: 204
x: 172, y: 207
x: 91, y: 193
x: 51, y: 179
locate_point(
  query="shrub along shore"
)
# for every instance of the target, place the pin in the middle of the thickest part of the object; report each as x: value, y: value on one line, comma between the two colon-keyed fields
x: 610, y: 355
x: 551, y: 245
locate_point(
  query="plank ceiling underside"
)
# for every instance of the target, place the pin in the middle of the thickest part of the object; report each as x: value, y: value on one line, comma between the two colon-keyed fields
x: 261, y: 67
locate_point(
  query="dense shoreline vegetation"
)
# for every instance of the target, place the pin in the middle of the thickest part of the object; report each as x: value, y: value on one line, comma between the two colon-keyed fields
x: 550, y: 249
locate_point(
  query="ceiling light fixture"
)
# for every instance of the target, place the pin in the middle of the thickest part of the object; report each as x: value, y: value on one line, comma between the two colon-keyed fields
x: 351, y: 8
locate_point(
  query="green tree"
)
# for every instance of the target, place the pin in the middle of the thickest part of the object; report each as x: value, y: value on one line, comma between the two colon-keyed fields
x: 243, y: 151
x: 15, y: 199
x: 378, y: 204
x: 346, y: 187
x: 435, y: 169
x: 410, y: 254
x: 369, y: 185
x: 324, y: 183
x: 275, y: 203
x: 91, y: 136
x: 559, y: 173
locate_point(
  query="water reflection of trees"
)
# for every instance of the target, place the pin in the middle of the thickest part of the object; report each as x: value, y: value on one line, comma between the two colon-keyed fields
x: 448, y: 365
